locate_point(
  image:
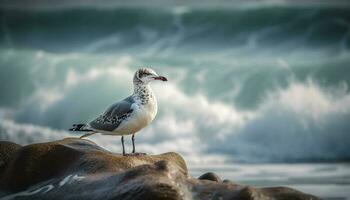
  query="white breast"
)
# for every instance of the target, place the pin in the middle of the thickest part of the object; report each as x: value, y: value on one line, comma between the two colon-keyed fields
x: 141, y: 117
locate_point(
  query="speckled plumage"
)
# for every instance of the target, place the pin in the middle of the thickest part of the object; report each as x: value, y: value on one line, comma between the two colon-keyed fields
x: 129, y: 115
x: 121, y: 117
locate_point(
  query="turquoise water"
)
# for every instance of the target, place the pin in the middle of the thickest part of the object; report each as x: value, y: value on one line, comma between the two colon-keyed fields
x: 255, y: 83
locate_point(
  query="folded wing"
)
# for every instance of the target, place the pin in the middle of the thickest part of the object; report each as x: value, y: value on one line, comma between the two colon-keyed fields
x: 113, y: 116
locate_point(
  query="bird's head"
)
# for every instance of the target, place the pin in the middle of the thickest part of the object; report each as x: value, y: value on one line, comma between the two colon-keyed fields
x: 146, y: 75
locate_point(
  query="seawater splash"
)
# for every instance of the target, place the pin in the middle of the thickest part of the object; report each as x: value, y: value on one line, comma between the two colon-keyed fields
x: 26, y: 133
x: 300, y: 122
x: 261, y: 84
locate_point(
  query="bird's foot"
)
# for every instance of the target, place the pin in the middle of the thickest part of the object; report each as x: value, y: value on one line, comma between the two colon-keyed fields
x: 139, y: 154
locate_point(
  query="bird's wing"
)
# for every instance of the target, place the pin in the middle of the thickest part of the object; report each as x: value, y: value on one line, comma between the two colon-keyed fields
x: 113, y: 116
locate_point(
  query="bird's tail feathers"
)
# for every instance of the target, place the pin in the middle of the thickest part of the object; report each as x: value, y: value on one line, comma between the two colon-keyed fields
x: 80, y: 127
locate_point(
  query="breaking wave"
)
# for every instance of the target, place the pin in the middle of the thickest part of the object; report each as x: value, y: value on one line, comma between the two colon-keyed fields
x: 300, y: 122
x: 250, y: 85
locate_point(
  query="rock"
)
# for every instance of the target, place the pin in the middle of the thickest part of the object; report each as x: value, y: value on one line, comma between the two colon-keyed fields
x: 79, y: 169
x: 227, y: 181
x: 210, y: 176
x: 39, y: 162
x: 7, y: 150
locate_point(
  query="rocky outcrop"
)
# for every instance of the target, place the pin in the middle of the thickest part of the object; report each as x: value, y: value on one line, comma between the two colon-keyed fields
x: 7, y: 151
x: 79, y: 169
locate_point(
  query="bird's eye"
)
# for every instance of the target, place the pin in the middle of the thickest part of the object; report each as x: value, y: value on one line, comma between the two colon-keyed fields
x: 144, y: 74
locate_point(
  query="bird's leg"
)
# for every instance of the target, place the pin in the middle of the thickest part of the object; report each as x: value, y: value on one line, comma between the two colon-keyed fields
x: 133, y: 143
x: 133, y: 147
x: 123, y: 145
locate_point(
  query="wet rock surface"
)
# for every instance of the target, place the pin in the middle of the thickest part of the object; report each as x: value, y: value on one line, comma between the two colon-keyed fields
x: 210, y: 176
x: 79, y: 169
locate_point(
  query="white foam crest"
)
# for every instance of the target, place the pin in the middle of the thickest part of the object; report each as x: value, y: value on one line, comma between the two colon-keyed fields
x: 49, y: 103
x: 198, y: 108
x: 118, y: 71
x: 301, y: 122
x: 28, y: 133
x: 308, y: 100
x: 304, y: 99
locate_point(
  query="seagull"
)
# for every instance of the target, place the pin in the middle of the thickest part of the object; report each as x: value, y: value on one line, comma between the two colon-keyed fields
x: 130, y: 115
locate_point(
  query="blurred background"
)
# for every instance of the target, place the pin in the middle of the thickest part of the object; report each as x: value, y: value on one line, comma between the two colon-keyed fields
x: 258, y: 91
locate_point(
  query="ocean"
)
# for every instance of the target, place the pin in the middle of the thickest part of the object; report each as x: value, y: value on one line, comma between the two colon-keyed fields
x: 258, y: 93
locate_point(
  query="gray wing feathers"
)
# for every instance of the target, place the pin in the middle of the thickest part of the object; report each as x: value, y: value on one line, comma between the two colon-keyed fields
x: 113, y: 116
x: 119, y: 108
